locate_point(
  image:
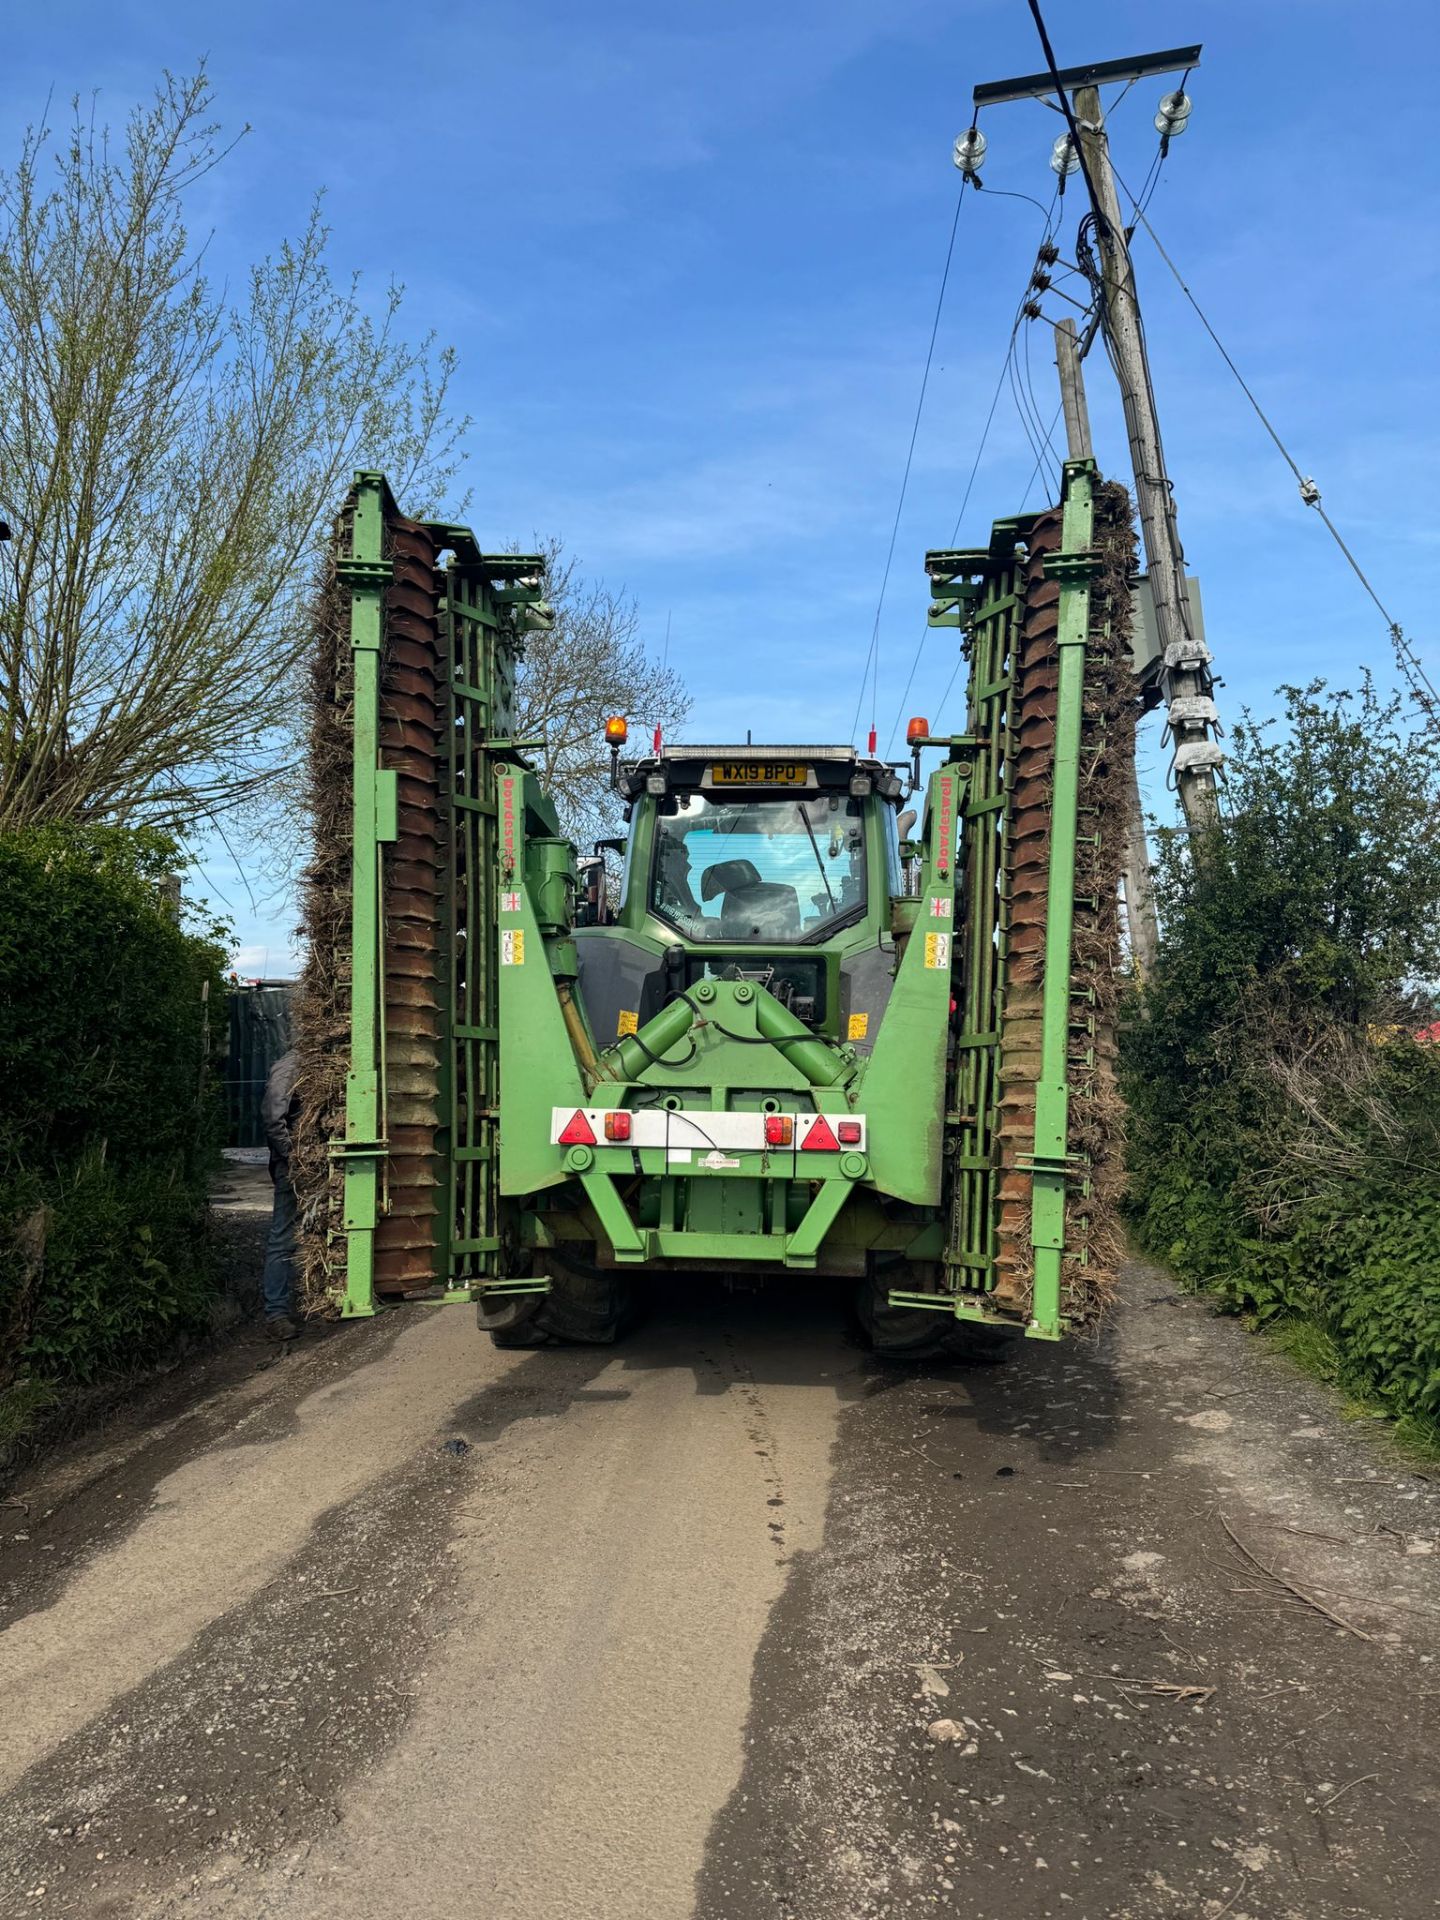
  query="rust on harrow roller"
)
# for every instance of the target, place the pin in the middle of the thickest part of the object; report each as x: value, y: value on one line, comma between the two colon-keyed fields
x: 1107, y: 750
x: 406, y: 1232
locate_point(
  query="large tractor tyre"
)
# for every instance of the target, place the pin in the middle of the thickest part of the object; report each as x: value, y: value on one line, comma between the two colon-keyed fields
x: 585, y: 1307
x: 920, y: 1333
x: 510, y: 1318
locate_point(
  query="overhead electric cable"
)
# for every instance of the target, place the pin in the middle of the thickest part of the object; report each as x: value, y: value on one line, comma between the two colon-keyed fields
x: 1420, y: 683
x: 1100, y: 222
x: 1035, y: 470
x: 954, y: 676
x: 955, y: 532
x: 1065, y: 108
x: 1023, y: 393
x: 959, y: 656
x: 1148, y: 184
x: 1035, y: 407
x: 873, y: 653
x: 1049, y: 213
x: 1026, y: 420
x: 1008, y: 193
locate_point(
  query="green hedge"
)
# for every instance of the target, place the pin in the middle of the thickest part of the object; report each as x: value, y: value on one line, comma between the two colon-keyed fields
x: 1284, y: 1127
x: 108, y: 1114
x: 1356, y: 1256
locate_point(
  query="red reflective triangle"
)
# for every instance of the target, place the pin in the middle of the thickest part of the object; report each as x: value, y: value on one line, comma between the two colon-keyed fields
x: 578, y: 1132
x: 820, y: 1136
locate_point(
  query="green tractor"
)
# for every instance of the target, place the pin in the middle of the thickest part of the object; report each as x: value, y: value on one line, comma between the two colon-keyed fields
x: 825, y: 1014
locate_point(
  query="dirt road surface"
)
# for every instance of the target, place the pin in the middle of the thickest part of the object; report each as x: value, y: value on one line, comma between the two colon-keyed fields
x: 731, y: 1622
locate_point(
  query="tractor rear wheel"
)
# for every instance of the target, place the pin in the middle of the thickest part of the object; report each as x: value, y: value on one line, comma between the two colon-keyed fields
x: 510, y: 1319
x: 586, y: 1306
x: 918, y: 1333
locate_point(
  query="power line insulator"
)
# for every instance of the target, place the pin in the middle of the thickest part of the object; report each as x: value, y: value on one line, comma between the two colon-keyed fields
x: 1049, y: 253
x: 1031, y: 310
x: 970, y: 152
x: 1040, y: 280
x: 1173, y: 116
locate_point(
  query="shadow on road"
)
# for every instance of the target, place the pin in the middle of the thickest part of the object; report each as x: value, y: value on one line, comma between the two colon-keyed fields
x: 1066, y: 1399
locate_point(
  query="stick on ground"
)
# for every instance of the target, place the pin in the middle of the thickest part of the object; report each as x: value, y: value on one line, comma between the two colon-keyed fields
x: 1282, y: 1580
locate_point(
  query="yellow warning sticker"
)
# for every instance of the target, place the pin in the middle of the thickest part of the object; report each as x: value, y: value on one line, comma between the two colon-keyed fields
x: 858, y: 1027
x: 937, y: 949
x: 627, y: 1023
x: 512, y: 947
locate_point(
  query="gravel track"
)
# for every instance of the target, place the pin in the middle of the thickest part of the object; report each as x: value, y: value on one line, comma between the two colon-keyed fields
x: 728, y: 1621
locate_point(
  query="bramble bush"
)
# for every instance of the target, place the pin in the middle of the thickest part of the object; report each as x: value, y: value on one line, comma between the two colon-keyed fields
x: 109, y: 1121
x: 1285, y: 1126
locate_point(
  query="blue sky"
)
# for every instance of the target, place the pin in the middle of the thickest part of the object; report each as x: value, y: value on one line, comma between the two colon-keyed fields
x: 690, y: 257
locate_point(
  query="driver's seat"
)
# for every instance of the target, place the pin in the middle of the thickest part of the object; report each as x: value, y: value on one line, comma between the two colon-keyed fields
x: 752, y: 908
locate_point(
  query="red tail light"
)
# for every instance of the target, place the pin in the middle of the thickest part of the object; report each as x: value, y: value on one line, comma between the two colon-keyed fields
x: 617, y: 1125
x: 849, y: 1132
x: 578, y: 1132
x: 779, y: 1130
x: 820, y: 1137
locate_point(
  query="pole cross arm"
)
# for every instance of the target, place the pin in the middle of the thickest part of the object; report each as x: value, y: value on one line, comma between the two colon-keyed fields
x: 1096, y: 73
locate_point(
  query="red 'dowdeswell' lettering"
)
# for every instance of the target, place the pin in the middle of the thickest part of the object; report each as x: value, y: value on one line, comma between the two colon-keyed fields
x: 507, y: 824
x: 947, y: 827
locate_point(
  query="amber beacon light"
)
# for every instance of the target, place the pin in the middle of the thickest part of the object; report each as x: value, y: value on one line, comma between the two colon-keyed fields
x: 616, y: 729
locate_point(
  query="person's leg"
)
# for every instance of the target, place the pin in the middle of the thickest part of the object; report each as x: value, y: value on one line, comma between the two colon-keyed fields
x: 278, y: 1284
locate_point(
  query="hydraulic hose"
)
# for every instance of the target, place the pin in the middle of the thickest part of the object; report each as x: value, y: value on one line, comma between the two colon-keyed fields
x: 579, y: 1034
x: 629, y: 1058
x: 815, y: 1058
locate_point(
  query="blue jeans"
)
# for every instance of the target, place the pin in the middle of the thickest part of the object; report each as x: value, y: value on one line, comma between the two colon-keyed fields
x: 278, y: 1284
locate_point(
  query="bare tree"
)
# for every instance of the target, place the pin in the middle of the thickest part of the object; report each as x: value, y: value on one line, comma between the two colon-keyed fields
x: 590, y: 666
x: 169, y: 457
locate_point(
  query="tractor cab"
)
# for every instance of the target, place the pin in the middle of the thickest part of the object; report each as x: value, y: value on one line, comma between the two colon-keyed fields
x: 776, y: 865
x: 769, y: 850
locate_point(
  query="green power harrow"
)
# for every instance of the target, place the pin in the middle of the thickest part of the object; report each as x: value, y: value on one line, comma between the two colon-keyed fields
x: 801, y: 1032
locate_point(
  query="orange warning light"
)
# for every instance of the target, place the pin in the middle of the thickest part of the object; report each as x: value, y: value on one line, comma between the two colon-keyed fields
x: 916, y: 729
x: 616, y: 729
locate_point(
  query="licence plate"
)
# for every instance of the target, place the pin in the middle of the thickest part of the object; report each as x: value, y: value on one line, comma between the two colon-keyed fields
x: 759, y: 773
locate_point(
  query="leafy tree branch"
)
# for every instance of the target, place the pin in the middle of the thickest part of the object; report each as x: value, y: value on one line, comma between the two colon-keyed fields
x: 169, y: 460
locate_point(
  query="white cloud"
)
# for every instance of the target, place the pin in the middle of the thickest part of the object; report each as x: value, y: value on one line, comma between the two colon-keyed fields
x: 264, y: 961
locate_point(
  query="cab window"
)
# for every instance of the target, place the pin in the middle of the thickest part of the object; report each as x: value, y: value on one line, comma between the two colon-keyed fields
x: 777, y: 869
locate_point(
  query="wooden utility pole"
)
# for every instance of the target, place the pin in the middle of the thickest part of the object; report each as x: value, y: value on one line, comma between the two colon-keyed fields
x: 1140, y: 917
x: 1185, y: 659
x: 1072, y: 392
